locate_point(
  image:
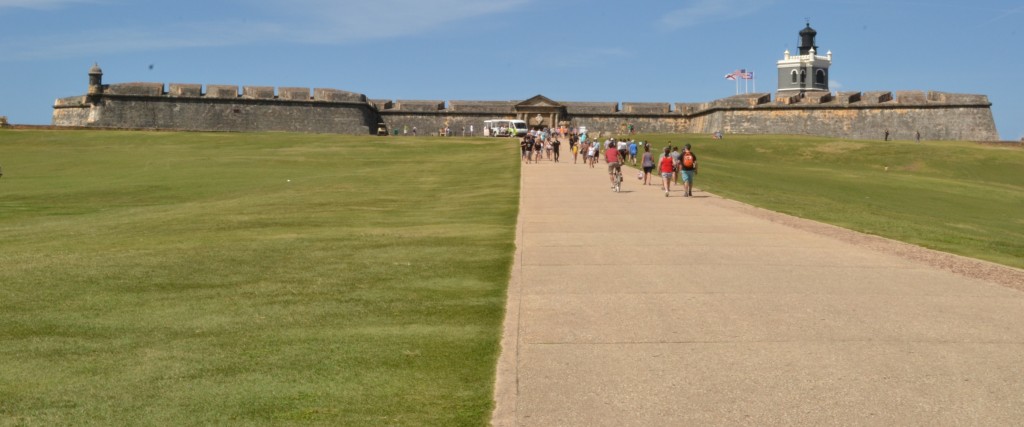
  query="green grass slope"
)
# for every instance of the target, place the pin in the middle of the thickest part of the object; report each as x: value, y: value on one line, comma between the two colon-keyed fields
x: 182, y: 279
x: 956, y: 197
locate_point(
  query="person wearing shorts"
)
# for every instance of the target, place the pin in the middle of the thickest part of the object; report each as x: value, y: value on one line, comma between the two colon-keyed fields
x: 612, y: 156
x: 648, y: 164
x: 667, y: 167
x: 688, y: 168
x: 676, y: 155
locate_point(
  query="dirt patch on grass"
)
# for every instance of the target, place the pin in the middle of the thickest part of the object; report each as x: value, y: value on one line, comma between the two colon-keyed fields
x: 960, y: 265
x: 838, y: 147
x: 916, y: 166
x: 1010, y: 144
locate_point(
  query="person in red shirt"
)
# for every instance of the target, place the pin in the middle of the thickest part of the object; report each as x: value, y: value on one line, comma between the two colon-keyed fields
x: 611, y: 155
x: 667, y: 167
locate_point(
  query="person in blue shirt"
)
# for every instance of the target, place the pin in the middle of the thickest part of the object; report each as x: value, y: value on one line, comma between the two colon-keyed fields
x: 632, y: 151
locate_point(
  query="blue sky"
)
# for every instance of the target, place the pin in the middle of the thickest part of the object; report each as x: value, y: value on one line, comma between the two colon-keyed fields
x: 567, y: 50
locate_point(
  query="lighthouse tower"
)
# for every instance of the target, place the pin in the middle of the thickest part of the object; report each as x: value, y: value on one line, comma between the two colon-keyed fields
x: 806, y: 71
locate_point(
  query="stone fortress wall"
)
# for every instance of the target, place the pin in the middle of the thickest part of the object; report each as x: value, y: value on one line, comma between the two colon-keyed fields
x: 218, y: 108
x: 857, y: 115
x: 854, y: 115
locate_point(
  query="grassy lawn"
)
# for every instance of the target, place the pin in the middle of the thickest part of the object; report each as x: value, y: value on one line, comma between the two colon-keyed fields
x: 956, y: 197
x: 182, y: 279
x: 187, y: 278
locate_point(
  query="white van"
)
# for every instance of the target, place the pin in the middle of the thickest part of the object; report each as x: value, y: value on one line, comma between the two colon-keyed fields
x: 505, y: 127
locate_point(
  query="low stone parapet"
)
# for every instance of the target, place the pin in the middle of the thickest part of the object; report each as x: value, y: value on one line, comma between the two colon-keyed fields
x: 646, y: 107
x: 911, y: 97
x: 848, y: 97
x: 483, y: 107
x: 876, y: 97
x: 419, y: 106
x: 742, y: 101
x: 382, y: 104
x: 185, y: 90
x: 258, y: 92
x: 70, y: 102
x: 335, y: 95
x: 787, y: 100
x: 222, y: 91
x: 690, y: 108
x: 293, y: 93
x: 135, y: 89
x: 591, y: 107
x: 958, y: 98
x: 817, y: 97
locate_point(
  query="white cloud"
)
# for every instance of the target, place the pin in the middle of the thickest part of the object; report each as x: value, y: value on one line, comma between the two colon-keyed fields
x: 40, y: 4
x: 328, y: 21
x: 136, y: 39
x: 833, y: 84
x: 294, y: 21
x: 1005, y: 14
x: 706, y: 11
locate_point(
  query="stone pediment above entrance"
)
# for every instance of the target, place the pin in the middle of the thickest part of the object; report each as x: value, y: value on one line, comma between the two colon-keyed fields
x: 539, y: 101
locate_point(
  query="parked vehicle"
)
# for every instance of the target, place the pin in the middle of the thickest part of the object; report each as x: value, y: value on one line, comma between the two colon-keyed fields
x: 505, y: 127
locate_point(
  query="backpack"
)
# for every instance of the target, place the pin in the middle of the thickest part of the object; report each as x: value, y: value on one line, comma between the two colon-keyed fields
x: 688, y: 160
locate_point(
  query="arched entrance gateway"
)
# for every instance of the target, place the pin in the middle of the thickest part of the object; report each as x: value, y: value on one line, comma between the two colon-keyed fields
x: 540, y: 112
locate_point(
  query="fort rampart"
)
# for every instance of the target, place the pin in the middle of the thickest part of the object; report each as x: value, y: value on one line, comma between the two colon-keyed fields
x: 219, y: 108
x: 858, y: 115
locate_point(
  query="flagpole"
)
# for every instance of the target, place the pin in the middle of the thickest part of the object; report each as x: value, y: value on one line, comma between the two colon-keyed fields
x: 754, y: 78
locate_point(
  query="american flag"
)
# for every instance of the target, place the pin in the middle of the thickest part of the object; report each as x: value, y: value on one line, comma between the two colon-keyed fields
x: 741, y: 73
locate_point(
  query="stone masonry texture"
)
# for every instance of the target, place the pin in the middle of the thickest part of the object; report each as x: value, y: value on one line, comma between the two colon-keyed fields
x: 855, y: 115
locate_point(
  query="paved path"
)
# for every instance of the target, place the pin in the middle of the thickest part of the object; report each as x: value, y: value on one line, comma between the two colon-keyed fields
x: 694, y: 312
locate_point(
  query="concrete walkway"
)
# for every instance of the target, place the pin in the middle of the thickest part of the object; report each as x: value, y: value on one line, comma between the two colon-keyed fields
x: 636, y: 309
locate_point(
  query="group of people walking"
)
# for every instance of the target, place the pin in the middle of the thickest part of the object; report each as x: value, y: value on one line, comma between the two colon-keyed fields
x: 674, y: 165
x: 537, y: 146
